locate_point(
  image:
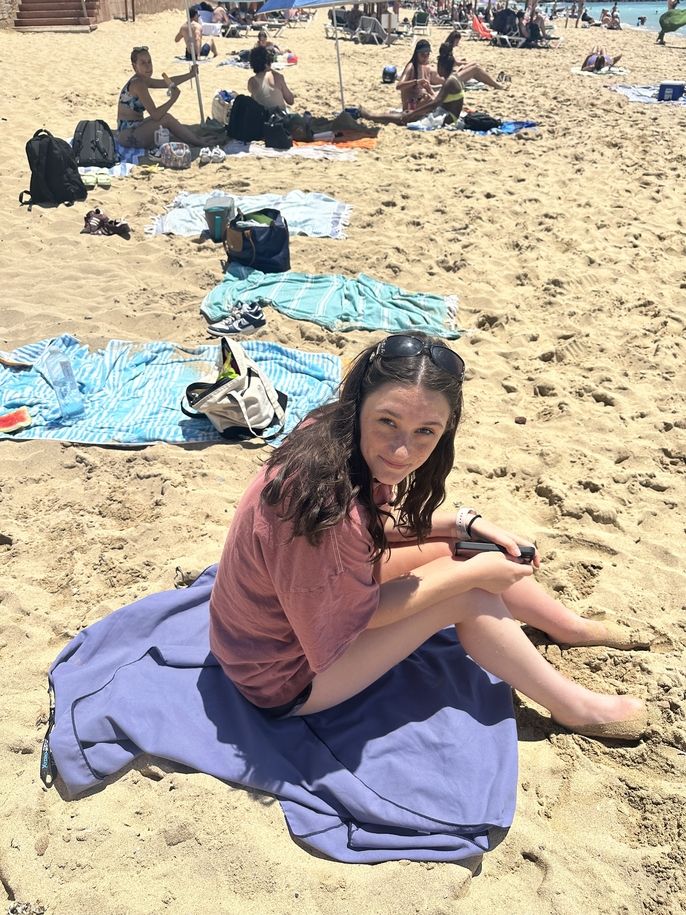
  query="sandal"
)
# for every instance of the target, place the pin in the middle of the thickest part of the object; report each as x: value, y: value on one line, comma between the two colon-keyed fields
x: 502, y: 77
x: 89, y: 181
x: 103, y: 181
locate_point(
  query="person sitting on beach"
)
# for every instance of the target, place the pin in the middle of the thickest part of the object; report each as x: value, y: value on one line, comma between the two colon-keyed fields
x: 338, y: 565
x: 466, y: 70
x: 134, y: 128
x: 447, y: 102
x: 605, y: 18
x: 264, y: 42
x: 194, y: 35
x: 268, y: 87
x: 418, y: 82
x: 598, y: 60
x: 530, y: 30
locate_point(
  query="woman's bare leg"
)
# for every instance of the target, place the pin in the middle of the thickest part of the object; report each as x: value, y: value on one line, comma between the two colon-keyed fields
x: 181, y: 132
x: 492, y: 638
x: 526, y: 601
x: 474, y: 71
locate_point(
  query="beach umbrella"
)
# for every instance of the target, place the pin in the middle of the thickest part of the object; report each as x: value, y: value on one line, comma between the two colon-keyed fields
x: 272, y: 6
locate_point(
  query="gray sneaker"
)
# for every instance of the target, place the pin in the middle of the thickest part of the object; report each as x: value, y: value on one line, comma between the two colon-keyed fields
x: 250, y: 319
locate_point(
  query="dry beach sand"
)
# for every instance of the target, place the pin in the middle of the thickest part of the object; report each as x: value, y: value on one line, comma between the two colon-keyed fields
x: 566, y: 247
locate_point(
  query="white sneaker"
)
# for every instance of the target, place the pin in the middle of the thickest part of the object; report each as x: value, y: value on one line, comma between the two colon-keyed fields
x: 205, y: 156
x: 217, y: 154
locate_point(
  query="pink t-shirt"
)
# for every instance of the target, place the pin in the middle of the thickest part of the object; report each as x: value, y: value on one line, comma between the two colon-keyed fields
x: 283, y: 610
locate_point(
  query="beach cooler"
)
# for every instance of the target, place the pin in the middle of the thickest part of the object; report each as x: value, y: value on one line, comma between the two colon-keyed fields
x: 670, y: 92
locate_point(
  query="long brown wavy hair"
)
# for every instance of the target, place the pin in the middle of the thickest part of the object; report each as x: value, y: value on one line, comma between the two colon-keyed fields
x: 318, y: 472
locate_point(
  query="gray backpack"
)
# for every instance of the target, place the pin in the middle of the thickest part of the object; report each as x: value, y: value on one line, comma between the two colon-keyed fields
x: 93, y: 144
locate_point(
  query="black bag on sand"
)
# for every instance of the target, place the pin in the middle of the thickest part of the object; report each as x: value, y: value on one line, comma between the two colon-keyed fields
x: 276, y: 133
x: 54, y: 173
x: 259, y: 240
x: 247, y: 119
x: 93, y: 144
x: 477, y: 120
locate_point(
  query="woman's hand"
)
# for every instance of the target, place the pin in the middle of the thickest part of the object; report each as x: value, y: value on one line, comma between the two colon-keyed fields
x: 193, y: 71
x: 174, y: 92
x: 482, y: 529
x: 494, y: 572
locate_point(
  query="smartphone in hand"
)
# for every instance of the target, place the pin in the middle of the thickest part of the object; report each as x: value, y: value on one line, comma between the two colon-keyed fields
x: 466, y: 548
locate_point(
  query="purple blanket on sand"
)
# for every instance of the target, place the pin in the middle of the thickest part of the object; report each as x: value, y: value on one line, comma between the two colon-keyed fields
x: 422, y: 765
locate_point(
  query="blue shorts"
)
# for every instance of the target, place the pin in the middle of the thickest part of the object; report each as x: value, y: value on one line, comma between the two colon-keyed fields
x: 204, y: 51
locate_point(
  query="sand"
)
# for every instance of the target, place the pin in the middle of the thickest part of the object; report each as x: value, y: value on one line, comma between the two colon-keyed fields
x: 566, y: 247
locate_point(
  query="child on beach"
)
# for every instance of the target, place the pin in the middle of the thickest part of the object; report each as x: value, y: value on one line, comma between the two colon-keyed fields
x: 338, y: 563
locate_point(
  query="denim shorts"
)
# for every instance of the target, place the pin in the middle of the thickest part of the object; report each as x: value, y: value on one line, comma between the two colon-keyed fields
x: 288, y: 709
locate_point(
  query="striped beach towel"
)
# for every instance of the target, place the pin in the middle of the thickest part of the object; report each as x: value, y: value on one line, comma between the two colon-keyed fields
x: 336, y: 302
x: 317, y: 215
x: 133, y: 391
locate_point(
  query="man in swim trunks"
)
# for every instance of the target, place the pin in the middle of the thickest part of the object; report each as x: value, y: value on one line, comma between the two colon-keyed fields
x: 195, y: 35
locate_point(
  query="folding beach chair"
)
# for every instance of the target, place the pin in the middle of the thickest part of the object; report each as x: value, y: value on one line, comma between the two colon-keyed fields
x: 480, y: 31
x: 342, y: 27
x: 370, y: 31
x: 420, y: 23
x: 209, y: 27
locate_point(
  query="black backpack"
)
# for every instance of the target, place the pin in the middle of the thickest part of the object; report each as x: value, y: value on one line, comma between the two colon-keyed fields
x: 54, y: 173
x: 478, y: 120
x: 276, y: 132
x: 247, y: 119
x: 93, y: 144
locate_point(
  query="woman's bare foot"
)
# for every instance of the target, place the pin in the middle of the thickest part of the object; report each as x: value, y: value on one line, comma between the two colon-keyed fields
x: 610, y: 717
x: 594, y: 632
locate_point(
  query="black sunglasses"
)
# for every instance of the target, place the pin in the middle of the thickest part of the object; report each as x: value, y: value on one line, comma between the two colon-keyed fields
x: 142, y: 47
x: 403, y: 346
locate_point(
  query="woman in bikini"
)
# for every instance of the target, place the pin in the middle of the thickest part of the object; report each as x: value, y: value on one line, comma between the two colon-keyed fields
x: 598, y: 60
x: 137, y: 130
x: 419, y: 82
x: 448, y: 101
x: 466, y: 70
x: 338, y: 564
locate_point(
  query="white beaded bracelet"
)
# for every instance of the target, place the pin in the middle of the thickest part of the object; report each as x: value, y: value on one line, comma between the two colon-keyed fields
x: 462, y: 519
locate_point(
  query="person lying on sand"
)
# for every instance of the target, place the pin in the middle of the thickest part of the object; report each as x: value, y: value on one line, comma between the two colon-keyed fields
x: 194, y: 34
x: 268, y: 87
x: 337, y: 564
x: 448, y: 101
x: 137, y: 130
x: 599, y: 59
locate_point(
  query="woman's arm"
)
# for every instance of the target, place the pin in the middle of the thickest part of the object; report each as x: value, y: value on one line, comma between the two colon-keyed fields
x: 155, y: 111
x: 288, y: 96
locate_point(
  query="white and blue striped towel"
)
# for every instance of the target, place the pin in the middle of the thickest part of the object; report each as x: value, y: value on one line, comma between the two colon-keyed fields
x: 312, y: 214
x: 337, y: 302
x: 133, y: 391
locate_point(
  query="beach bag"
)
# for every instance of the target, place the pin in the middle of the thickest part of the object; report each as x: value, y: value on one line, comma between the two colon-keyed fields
x: 260, y: 240
x: 477, y: 120
x: 93, y: 144
x: 221, y: 106
x: 54, y: 173
x: 389, y: 74
x: 242, y: 401
x: 276, y: 133
x: 247, y: 118
x: 175, y: 155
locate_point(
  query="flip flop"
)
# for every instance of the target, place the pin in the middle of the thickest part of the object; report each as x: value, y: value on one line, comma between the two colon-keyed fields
x: 89, y: 181
x: 104, y: 181
x: 502, y: 77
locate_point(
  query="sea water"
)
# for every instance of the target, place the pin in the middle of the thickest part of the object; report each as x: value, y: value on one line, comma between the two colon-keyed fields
x: 629, y: 15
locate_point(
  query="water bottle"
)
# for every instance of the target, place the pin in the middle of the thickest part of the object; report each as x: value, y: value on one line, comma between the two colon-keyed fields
x: 161, y: 136
x: 60, y: 375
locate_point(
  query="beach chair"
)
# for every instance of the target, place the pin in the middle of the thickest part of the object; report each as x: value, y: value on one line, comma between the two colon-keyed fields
x: 209, y: 27
x: 420, y: 23
x: 370, y: 31
x: 480, y: 31
x: 508, y: 41
x: 342, y: 27
x: 272, y: 25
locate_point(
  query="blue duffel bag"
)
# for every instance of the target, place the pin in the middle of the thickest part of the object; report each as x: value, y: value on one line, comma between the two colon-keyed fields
x: 260, y: 240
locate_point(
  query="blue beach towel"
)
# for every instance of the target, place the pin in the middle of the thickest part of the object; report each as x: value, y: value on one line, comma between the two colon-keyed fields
x: 645, y: 94
x: 132, y: 391
x: 317, y: 215
x: 422, y: 765
x: 336, y: 302
x: 507, y: 128
x: 128, y: 158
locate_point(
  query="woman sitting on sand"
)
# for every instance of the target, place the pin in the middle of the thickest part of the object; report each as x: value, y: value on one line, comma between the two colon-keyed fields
x: 447, y: 102
x: 338, y: 565
x: 598, y: 60
x: 267, y: 86
x: 419, y: 82
x: 466, y: 70
x: 264, y: 42
x: 134, y: 128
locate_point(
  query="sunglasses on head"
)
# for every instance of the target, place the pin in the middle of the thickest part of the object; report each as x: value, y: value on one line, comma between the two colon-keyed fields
x: 142, y: 47
x: 403, y: 346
